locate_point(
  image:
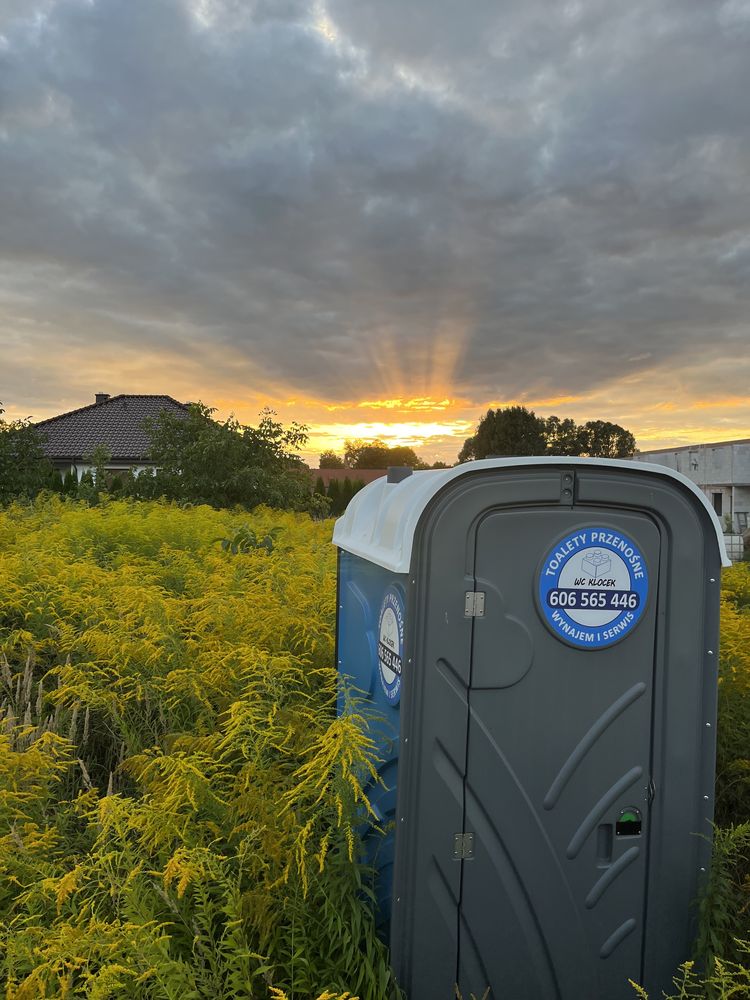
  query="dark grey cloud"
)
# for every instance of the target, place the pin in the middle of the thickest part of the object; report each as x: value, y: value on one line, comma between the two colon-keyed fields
x: 551, y: 195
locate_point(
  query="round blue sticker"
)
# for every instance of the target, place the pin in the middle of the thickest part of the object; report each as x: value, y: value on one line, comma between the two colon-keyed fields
x: 593, y: 587
x: 391, y: 644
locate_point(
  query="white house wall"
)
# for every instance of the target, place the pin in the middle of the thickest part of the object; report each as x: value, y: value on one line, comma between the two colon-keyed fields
x: 80, y: 470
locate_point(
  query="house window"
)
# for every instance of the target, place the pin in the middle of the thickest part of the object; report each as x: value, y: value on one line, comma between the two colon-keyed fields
x: 718, y: 502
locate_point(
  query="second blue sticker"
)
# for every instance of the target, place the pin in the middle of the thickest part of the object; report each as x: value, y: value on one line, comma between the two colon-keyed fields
x: 391, y: 644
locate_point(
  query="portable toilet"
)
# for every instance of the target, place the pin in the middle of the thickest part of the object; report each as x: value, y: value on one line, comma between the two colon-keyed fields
x: 537, y: 643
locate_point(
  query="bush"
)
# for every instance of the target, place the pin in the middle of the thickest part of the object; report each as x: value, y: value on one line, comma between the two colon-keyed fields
x: 225, y: 463
x: 340, y: 492
x: 24, y: 470
x: 56, y: 482
x: 335, y: 498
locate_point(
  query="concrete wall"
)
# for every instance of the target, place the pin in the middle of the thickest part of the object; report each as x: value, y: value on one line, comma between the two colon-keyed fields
x: 720, y: 464
x: 722, y: 468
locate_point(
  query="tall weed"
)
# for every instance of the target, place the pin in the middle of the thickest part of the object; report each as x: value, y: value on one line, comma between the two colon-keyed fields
x: 728, y: 981
x: 722, y: 949
x: 178, y: 800
x: 725, y: 903
x: 733, y: 735
x: 725, y: 906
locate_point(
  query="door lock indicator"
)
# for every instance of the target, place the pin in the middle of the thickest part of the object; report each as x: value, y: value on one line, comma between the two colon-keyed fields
x: 628, y: 823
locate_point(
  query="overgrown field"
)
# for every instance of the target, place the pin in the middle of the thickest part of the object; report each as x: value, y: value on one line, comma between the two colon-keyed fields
x: 178, y: 800
x: 176, y: 793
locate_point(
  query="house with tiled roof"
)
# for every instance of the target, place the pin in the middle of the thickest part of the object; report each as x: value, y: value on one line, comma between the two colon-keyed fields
x: 117, y: 422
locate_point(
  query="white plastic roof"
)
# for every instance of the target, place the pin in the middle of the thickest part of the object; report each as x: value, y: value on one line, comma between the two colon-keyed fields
x: 380, y: 521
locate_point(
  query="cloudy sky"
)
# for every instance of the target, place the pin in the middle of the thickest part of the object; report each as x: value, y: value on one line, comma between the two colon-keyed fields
x: 380, y: 216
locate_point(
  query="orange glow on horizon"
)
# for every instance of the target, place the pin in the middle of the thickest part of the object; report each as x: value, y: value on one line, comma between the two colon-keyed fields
x: 727, y: 402
x: 425, y: 403
x: 331, y: 437
x: 660, y: 413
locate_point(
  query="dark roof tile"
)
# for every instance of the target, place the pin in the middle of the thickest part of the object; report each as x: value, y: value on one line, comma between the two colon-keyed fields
x: 116, y: 422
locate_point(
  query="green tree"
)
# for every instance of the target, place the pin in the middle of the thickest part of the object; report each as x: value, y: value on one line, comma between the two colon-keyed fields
x: 87, y: 490
x: 518, y: 431
x: 347, y: 492
x: 602, y: 439
x: 56, y: 482
x: 98, y: 458
x: 140, y: 485
x: 377, y: 454
x: 513, y: 430
x: 330, y: 460
x: 320, y: 506
x: 563, y: 437
x: 403, y: 455
x: 225, y: 463
x: 334, y: 495
x: 24, y: 469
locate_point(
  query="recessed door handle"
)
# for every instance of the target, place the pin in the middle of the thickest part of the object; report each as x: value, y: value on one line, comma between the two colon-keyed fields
x: 604, y: 842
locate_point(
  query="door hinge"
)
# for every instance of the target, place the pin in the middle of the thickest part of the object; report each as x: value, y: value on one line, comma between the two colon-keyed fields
x: 463, y: 846
x: 474, y: 604
x: 567, y: 487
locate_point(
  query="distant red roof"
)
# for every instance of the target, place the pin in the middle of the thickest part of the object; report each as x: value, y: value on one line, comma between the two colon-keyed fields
x: 356, y: 475
x: 114, y: 421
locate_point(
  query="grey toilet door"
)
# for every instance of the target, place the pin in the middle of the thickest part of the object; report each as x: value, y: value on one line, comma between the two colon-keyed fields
x: 552, y: 903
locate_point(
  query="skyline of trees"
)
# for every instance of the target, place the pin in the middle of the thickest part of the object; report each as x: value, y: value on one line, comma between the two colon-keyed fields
x: 508, y: 431
x: 516, y: 431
